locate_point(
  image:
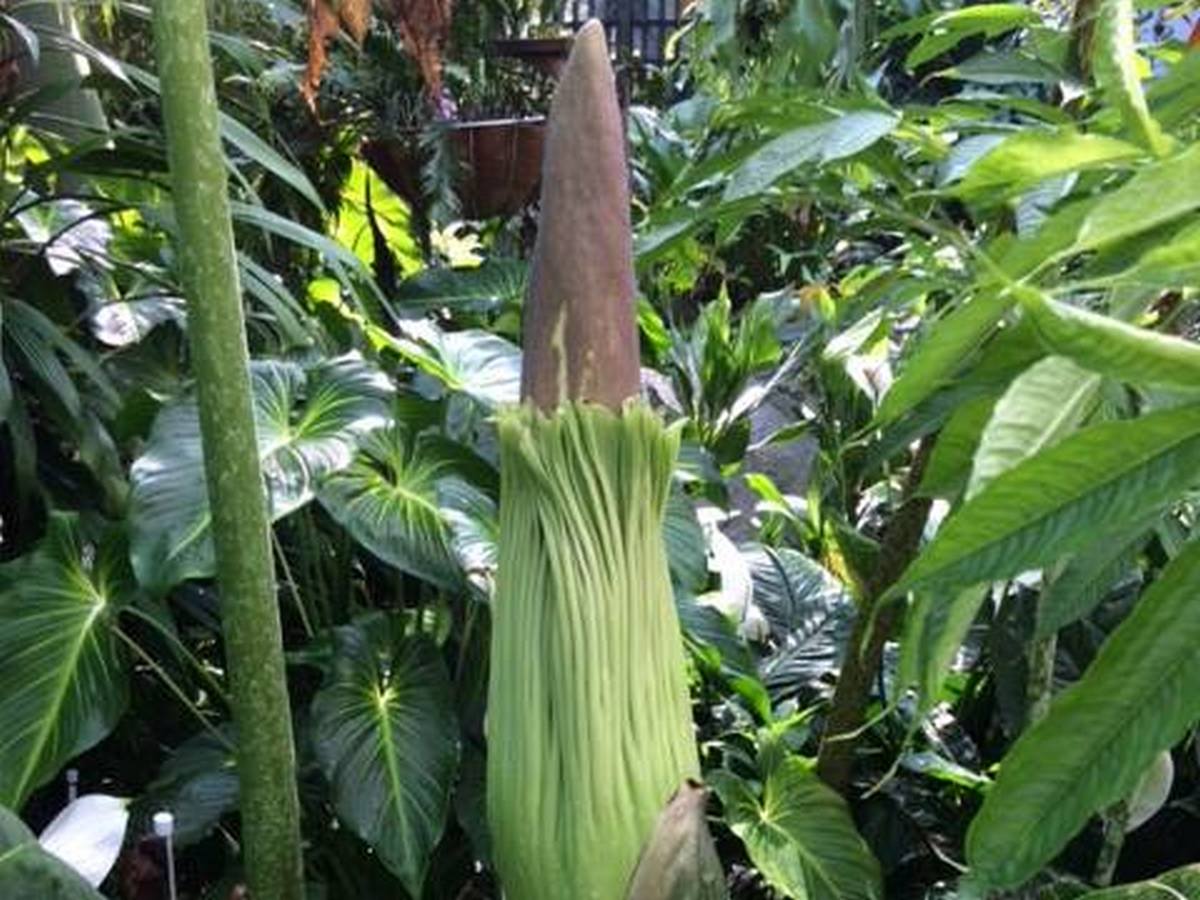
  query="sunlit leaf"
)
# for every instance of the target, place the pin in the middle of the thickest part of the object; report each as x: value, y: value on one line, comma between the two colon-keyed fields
x: 62, y: 672
x: 309, y: 423
x: 401, y: 500
x: 1048, y: 506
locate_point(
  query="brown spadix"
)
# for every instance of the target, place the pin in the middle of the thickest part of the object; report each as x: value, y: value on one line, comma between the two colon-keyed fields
x: 580, y: 328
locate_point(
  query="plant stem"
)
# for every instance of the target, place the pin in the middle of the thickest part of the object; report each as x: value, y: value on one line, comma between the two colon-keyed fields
x: 1116, y: 817
x: 1040, y: 688
x: 872, y: 628
x: 241, y: 530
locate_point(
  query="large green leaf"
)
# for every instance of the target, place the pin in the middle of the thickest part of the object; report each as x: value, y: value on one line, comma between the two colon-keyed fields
x: 198, y: 783
x: 942, y: 31
x: 1154, y: 196
x: 1178, y: 883
x: 1175, y: 263
x: 496, y: 285
x: 475, y: 363
x: 309, y: 420
x: 1048, y: 506
x: 387, y: 739
x: 1079, y: 585
x: 27, y: 872
x: 1040, y: 408
x: 400, y: 500
x: 953, y: 455
x: 1113, y: 347
x: 799, y: 834
x: 1138, y: 698
x: 1028, y: 157
x: 62, y: 673
x: 1115, y: 64
x: 822, y: 142
x: 943, y: 350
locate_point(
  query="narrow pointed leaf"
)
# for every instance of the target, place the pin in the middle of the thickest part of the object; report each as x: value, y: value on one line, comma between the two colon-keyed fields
x: 1026, y: 158
x: 1138, y: 698
x: 387, y: 741
x: 1081, y: 584
x: 821, y: 142
x: 1156, y: 195
x: 1116, y: 68
x: 1040, y: 408
x: 1115, y: 348
x: 1047, y: 506
x: 939, y: 355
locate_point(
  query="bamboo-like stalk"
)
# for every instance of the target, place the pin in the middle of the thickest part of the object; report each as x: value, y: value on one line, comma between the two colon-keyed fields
x: 241, y: 528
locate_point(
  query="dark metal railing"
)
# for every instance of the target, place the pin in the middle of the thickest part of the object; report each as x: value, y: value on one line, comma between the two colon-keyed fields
x: 637, y: 29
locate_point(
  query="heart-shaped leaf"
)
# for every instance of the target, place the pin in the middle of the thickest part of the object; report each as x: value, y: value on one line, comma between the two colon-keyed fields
x: 401, y: 501
x: 62, y: 673
x: 310, y: 421
x: 387, y: 739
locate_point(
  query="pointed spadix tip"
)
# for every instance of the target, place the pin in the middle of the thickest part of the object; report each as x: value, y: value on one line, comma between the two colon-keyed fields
x: 581, y: 338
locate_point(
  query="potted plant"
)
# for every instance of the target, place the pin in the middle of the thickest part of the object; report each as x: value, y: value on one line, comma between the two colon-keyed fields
x: 452, y: 129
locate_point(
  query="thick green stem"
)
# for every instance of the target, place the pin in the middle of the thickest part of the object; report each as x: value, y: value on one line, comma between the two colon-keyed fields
x: 241, y: 529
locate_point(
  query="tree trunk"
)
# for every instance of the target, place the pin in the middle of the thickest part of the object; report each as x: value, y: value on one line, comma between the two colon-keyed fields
x: 241, y: 529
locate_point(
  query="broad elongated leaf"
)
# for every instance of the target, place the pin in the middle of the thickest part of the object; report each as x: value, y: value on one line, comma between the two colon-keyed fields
x: 62, y: 673
x: 199, y: 784
x: 1040, y: 408
x: 943, y: 31
x: 1173, y: 264
x: 1115, y: 64
x: 1028, y: 157
x: 1137, y: 699
x: 821, y: 142
x: 387, y: 740
x: 799, y: 834
x: 1183, y: 882
x: 27, y: 872
x: 496, y: 285
x: 936, y: 358
x: 1156, y: 195
x: 401, y: 501
x: 1113, y: 347
x: 953, y: 455
x: 1047, y: 506
x: 309, y: 421
x: 1079, y: 586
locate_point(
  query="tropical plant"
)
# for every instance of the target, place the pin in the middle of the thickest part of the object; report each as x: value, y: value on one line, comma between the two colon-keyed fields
x: 916, y: 300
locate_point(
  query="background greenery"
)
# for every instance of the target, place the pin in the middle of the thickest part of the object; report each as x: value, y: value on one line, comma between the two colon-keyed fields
x: 920, y: 284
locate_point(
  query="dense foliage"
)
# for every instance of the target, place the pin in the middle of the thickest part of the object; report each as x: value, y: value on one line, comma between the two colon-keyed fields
x: 919, y: 296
